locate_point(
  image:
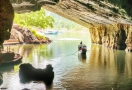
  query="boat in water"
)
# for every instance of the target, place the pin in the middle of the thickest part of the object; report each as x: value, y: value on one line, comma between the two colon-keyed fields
x: 82, y: 49
x: 51, y: 32
x: 9, y: 57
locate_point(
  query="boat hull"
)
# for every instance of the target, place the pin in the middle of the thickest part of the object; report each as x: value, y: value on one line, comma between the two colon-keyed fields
x: 10, y: 57
x: 51, y: 32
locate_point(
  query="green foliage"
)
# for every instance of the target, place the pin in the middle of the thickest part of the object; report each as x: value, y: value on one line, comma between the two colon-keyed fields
x: 63, y: 23
x: 122, y: 12
x: 118, y: 10
x: 116, y: 2
x: 89, y: 6
x: 38, y: 36
x: 37, y: 19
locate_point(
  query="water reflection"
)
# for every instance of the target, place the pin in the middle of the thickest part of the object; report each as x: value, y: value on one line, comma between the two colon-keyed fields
x: 105, y: 69
x: 101, y: 69
x: 33, y: 54
x: 82, y: 57
x: 30, y: 52
x: 26, y: 49
x: 7, y: 67
x: 107, y: 58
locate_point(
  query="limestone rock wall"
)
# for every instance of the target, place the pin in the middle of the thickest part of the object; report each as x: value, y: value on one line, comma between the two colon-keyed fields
x: 6, y: 20
x: 118, y: 36
x: 24, y: 35
x: 128, y: 41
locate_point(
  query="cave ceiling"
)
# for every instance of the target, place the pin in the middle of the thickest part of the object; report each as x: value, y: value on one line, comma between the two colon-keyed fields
x: 87, y: 13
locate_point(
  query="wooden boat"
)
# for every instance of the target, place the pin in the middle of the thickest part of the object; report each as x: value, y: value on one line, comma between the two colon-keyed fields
x: 82, y: 48
x: 9, y: 57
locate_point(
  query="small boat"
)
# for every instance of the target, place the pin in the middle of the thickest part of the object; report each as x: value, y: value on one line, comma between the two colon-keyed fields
x: 10, y: 57
x: 51, y: 32
x: 8, y: 65
x: 8, y: 60
x: 82, y: 49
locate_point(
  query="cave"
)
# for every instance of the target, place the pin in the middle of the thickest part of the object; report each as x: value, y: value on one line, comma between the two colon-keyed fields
x: 109, y: 21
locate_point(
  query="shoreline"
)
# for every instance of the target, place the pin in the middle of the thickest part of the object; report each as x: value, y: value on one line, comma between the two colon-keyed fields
x: 16, y: 43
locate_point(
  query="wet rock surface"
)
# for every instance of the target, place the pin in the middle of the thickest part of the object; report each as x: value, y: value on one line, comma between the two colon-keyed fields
x: 21, y: 35
x: 6, y: 20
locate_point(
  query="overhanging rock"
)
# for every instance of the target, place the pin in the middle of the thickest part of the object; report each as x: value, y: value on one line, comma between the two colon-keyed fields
x: 109, y: 21
x: 85, y: 12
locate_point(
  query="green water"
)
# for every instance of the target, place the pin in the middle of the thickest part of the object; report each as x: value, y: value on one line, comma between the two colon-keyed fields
x: 103, y: 69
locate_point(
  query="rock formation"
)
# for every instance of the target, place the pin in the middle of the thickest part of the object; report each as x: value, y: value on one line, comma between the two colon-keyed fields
x: 24, y: 35
x: 109, y: 21
x: 112, y: 36
x: 28, y: 73
x: 6, y: 20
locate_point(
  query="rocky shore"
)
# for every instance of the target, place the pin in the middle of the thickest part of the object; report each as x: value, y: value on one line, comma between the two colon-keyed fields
x: 20, y: 35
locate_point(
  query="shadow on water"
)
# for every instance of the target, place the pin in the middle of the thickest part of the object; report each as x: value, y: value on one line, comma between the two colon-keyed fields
x: 8, y: 66
x: 116, y: 64
x: 101, y: 69
x: 56, y: 53
x: 105, y: 69
x: 82, y: 57
x: 107, y: 58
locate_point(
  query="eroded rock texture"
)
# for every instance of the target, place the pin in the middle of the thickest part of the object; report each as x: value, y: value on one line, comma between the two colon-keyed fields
x: 112, y: 36
x: 85, y: 12
x: 109, y: 21
x: 24, y: 35
x: 6, y: 20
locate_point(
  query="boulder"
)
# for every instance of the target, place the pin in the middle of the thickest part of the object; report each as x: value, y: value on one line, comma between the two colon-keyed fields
x: 28, y: 73
x: 21, y: 35
x: 6, y: 20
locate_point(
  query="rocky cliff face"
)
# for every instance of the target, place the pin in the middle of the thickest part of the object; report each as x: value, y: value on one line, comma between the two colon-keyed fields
x: 85, y: 12
x: 6, y: 20
x: 109, y: 21
x: 24, y: 35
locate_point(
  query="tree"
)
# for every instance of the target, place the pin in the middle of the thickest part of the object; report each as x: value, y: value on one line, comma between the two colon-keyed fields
x: 37, y: 19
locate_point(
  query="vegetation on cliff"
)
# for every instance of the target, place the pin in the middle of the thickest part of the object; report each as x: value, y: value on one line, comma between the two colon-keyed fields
x: 40, y: 19
x: 63, y: 23
x: 36, y: 19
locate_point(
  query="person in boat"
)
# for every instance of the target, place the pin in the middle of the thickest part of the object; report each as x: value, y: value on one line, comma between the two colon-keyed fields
x: 80, y: 46
x: 84, y: 49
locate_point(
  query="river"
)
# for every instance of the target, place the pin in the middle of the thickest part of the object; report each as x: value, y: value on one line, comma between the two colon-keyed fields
x: 103, y: 68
